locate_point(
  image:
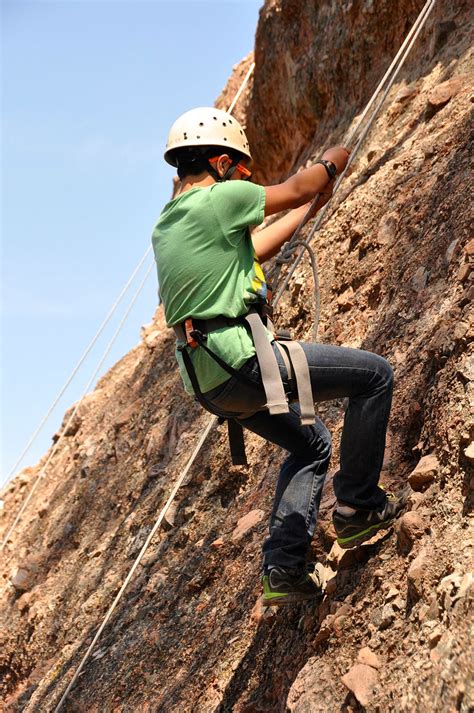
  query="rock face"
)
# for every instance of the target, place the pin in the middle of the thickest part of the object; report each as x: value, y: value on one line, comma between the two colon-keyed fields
x: 395, y: 266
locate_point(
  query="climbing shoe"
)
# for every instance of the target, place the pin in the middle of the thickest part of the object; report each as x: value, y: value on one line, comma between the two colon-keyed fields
x: 283, y: 586
x: 352, y: 530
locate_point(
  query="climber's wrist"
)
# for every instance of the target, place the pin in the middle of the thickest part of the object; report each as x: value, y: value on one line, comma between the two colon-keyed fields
x: 330, y: 166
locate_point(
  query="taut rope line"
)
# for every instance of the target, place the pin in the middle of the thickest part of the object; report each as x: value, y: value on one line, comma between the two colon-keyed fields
x: 242, y: 87
x: 155, y: 527
x: 213, y: 420
x: 79, y: 364
x: 419, y: 26
x: 41, y: 474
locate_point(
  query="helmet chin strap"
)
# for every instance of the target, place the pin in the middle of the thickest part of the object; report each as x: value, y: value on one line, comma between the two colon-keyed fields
x: 227, y: 175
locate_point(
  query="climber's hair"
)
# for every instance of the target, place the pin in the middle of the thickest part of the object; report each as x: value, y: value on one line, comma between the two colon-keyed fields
x: 194, y: 160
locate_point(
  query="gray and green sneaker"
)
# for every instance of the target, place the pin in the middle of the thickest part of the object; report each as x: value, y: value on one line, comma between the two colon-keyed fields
x: 283, y: 586
x: 352, y: 530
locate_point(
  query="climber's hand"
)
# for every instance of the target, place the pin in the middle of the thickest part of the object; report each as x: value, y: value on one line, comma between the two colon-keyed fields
x: 339, y: 155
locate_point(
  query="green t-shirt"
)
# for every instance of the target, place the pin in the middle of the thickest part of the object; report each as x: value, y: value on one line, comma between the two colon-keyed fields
x: 207, y: 267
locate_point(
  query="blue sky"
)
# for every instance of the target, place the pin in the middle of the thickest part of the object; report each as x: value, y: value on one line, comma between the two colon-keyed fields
x: 89, y: 90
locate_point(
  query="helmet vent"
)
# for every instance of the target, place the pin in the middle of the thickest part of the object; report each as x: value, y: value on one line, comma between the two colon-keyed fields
x: 215, y: 118
x: 224, y: 124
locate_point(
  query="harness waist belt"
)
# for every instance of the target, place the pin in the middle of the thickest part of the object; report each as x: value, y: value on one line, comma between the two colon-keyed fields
x: 193, y: 333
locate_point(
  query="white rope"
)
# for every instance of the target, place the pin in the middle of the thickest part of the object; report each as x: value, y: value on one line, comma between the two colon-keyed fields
x: 155, y: 527
x: 211, y: 423
x: 41, y: 474
x: 242, y: 87
x: 289, y: 248
x: 78, y: 365
x: 420, y: 24
x: 421, y: 18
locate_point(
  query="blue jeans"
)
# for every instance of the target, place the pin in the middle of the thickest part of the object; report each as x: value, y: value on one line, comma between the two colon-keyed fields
x: 336, y: 372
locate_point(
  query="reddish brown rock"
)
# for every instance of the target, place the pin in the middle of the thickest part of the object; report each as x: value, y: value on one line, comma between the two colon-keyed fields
x: 387, y: 229
x: 361, y: 681
x: 346, y: 299
x: 313, y: 688
x: 469, y: 248
x: 217, y: 543
x: 425, y: 472
x: 410, y: 527
x: 246, y: 523
x: 442, y: 93
x: 416, y: 574
x: 415, y: 501
x: 469, y: 452
x: 22, y: 580
x: 23, y: 602
x: 368, y: 657
x: 405, y: 93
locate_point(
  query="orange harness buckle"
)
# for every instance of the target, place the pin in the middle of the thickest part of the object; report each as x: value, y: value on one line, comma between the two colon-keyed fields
x: 189, y: 329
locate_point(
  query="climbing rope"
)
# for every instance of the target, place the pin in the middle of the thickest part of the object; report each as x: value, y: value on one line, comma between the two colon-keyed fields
x: 213, y: 420
x: 242, y: 87
x: 70, y: 420
x: 293, y: 243
x: 129, y: 576
x: 79, y: 364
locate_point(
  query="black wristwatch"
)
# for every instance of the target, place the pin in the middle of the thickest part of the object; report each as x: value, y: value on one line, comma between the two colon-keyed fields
x: 330, y: 167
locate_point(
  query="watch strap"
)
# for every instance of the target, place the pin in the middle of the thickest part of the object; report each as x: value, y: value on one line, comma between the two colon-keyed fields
x: 330, y: 167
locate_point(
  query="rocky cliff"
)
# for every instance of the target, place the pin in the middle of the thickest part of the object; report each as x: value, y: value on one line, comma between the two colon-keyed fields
x: 395, y: 263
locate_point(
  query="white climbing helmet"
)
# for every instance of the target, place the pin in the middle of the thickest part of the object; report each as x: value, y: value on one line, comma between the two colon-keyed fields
x: 206, y: 126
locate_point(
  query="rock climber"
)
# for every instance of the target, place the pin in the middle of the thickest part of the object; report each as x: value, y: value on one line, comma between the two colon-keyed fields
x: 209, y: 271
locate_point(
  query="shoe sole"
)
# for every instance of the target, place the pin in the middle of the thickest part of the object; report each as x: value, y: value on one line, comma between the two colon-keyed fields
x: 290, y: 599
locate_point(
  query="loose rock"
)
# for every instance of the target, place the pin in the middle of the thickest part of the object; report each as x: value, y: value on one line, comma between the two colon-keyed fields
x: 368, y: 657
x: 415, y: 576
x: 469, y: 452
x: 425, y: 472
x: 22, y: 580
x: 217, y: 543
x: 361, y: 681
x: 315, y: 682
x: 246, y: 523
x: 410, y: 527
x: 346, y: 299
x: 442, y: 93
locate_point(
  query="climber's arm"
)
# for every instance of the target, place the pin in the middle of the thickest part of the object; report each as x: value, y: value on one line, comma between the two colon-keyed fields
x: 303, y: 186
x: 268, y: 241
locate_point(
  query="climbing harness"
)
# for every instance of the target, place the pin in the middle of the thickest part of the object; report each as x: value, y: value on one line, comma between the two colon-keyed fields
x: 192, y: 334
